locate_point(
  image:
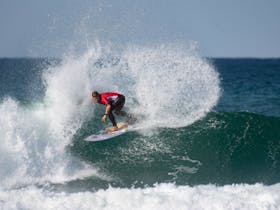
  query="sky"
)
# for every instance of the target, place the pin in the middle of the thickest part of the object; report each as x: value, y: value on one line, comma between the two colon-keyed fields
x: 220, y: 28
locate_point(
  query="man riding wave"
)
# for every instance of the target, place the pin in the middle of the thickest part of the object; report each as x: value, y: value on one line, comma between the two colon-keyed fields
x: 112, y: 101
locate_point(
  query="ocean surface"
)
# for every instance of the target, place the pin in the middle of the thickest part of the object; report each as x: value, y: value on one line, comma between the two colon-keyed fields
x: 210, y: 137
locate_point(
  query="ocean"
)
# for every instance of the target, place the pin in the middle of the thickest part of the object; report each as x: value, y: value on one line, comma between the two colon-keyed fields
x: 210, y: 136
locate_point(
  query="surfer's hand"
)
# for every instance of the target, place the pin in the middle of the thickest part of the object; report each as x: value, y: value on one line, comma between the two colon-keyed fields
x: 104, y: 118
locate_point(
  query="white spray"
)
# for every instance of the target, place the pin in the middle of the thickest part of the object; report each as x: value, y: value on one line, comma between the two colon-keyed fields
x: 167, y: 85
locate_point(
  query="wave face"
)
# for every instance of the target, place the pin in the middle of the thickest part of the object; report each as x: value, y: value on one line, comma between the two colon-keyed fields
x: 222, y: 148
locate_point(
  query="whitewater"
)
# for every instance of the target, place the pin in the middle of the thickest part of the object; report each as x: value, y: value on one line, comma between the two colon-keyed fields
x: 168, y: 86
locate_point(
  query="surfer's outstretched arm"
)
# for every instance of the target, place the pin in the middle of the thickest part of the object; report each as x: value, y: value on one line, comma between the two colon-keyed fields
x: 107, y: 112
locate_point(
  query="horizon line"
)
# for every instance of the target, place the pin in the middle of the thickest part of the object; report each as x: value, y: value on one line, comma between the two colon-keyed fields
x: 208, y: 57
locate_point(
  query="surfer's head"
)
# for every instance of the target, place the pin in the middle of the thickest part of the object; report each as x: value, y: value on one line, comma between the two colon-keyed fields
x: 95, y: 96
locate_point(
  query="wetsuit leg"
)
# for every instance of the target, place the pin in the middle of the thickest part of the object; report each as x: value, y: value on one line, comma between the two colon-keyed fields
x: 112, y: 118
x: 118, y: 104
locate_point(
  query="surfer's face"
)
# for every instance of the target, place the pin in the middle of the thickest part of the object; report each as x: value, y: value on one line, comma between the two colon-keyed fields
x: 95, y: 98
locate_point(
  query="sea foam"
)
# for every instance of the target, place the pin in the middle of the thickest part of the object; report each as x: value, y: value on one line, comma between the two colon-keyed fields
x: 162, y: 196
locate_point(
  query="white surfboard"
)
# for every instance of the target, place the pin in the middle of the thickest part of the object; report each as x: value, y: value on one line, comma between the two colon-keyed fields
x: 104, y: 135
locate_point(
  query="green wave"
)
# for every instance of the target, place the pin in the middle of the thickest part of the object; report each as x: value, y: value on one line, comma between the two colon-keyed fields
x: 222, y: 148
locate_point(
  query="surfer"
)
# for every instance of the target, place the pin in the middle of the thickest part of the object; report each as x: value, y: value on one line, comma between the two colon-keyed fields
x: 113, y: 102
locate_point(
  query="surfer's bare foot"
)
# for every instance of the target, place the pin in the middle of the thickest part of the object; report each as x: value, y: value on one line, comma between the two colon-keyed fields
x: 112, y: 129
x: 122, y: 125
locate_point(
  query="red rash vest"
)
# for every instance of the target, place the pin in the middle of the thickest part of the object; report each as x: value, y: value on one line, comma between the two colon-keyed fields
x: 107, y: 98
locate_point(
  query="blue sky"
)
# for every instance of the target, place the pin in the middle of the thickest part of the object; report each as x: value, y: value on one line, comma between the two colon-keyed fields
x: 222, y: 28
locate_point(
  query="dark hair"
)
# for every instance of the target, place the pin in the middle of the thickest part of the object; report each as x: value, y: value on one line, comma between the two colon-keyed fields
x: 95, y: 94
